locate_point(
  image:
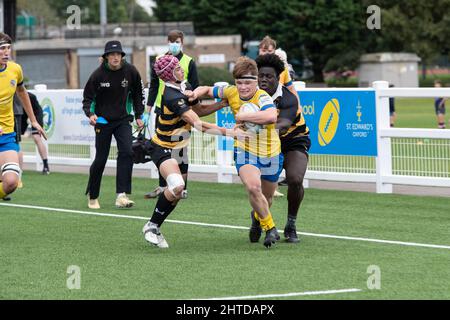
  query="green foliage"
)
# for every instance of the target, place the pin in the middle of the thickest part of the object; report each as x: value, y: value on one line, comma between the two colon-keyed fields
x: 39, y: 9
x: 422, y: 27
x: 330, y: 29
x: 429, y: 80
x: 299, y: 27
x: 117, y: 263
x: 342, y: 82
x: 332, y: 34
x: 209, y: 75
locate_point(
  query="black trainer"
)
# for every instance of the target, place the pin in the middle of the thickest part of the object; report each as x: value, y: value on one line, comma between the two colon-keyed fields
x: 283, y: 183
x: 46, y: 171
x: 255, y: 229
x: 290, y: 233
x: 272, y: 236
x: 7, y: 198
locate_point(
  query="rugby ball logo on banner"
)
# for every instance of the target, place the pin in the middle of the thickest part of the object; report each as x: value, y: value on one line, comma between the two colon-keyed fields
x: 328, y: 123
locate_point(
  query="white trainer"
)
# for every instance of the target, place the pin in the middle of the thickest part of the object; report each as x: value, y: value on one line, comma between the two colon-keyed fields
x: 93, y: 203
x: 123, y: 201
x: 153, y: 235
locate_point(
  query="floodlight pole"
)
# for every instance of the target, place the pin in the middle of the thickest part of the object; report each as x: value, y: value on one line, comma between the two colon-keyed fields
x: 103, y: 18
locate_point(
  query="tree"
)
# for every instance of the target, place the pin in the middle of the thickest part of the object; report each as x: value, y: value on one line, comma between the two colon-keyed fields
x: 279, y: 20
x: 422, y: 27
x: 321, y: 29
x: 209, y: 17
x: 329, y: 29
x: 328, y: 32
x: 40, y: 9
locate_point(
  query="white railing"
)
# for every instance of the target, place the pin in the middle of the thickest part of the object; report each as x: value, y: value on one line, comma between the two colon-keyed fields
x: 406, y: 156
x: 385, y: 135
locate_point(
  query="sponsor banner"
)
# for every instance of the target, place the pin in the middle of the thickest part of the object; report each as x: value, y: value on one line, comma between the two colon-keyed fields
x: 64, y: 119
x: 341, y: 122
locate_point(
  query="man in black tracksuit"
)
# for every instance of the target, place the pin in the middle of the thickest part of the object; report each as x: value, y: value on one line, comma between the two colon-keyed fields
x: 112, y: 92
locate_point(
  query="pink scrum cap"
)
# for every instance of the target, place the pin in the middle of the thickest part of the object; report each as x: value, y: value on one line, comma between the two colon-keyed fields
x: 165, y: 66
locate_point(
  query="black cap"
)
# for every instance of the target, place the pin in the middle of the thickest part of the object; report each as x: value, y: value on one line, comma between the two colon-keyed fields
x: 113, y: 46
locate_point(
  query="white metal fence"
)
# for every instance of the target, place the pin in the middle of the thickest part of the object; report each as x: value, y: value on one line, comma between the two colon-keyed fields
x: 406, y: 156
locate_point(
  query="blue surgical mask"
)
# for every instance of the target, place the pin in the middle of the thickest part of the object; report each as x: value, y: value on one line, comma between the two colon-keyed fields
x: 174, y: 48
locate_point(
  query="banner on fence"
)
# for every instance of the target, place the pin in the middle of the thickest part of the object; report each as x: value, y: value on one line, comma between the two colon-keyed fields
x: 64, y: 119
x: 341, y: 122
x: 225, y: 118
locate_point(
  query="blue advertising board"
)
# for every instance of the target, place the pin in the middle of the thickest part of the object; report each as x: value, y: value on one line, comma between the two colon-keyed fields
x: 341, y: 122
x: 225, y: 118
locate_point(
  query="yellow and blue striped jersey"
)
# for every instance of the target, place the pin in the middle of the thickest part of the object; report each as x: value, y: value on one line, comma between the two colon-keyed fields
x: 10, y: 77
x: 267, y: 142
x: 285, y: 78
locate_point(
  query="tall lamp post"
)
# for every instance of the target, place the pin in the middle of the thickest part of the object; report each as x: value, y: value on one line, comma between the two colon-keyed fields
x: 103, y: 18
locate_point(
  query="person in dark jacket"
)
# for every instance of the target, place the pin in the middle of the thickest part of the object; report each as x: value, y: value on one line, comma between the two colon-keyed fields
x: 112, y: 98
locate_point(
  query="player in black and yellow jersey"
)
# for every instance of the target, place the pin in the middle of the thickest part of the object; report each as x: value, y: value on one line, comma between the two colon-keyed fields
x: 294, y: 136
x: 175, y: 39
x: 11, y: 81
x: 169, y: 144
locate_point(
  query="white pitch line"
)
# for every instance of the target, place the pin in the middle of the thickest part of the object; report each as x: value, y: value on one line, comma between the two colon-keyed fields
x: 284, y: 295
x: 319, y: 235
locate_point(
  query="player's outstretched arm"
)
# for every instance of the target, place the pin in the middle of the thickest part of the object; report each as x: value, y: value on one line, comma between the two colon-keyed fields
x: 204, y: 91
x: 25, y: 99
x: 203, y: 110
x: 193, y: 119
x: 267, y: 116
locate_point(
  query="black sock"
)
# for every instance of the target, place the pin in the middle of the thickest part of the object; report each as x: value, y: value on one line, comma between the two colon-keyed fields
x: 291, y: 220
x: 162, y: 210
x: 45, y: 161
x: 162, y: 181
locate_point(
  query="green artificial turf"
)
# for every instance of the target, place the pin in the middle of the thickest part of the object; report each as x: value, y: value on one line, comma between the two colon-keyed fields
x: 38, y: 246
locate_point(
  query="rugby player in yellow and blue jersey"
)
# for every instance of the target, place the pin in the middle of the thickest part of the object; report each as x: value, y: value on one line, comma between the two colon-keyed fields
x: 11, y: 80
x: 258, y: 160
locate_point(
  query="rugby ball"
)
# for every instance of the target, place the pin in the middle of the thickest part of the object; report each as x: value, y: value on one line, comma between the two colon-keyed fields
x: 329, y: 122
x: 249, y: 107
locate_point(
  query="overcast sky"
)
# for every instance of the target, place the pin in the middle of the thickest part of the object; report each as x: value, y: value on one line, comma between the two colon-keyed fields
x: 146, y: 5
